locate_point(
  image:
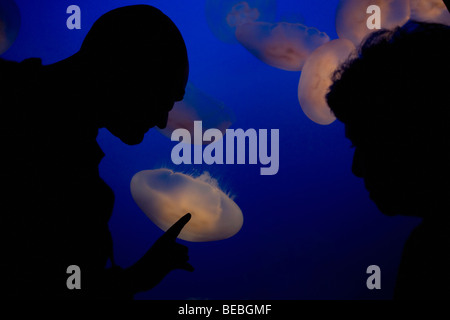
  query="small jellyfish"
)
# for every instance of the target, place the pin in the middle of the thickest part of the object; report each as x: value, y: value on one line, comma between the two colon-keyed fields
x: 9, y: 24
x: 316, y: 79
x: 430, y: 11
x: 224, y: 16
x: 165, y: 196
x: 351, y: 17
x: 197, y: 106
x: 281, y: 45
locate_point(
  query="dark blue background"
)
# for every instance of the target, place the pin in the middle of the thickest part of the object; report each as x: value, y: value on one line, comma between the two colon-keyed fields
x: 309, y: 232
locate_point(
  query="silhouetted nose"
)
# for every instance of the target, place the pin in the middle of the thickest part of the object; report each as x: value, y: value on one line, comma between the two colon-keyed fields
x: 358, y: 163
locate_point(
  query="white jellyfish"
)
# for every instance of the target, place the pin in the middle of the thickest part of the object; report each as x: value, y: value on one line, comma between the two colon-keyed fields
x: 316, y: 79
x: 351, y: 17
x: 282, y: 45
x: 430, y: 11
x: 224, y: 16
x: 9, y: 24
x: 198, y: 106
x: 165, y: 196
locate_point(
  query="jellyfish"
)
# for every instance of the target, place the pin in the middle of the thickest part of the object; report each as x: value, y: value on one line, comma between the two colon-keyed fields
x: 281, y: 45
x: 165, y: 196
x: 224, y: 16
x: 9, y: 24
x: 430, y: 11
x: 351, y: 17
x: 241, y: 14
x: 316, y: 79
x: 197, y: 106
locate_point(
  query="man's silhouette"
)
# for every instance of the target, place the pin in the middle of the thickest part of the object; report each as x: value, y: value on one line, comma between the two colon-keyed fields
x: 130, y: 70
x: 393, y: 99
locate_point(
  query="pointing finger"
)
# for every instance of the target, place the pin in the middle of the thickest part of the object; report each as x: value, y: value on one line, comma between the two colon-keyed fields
x: 174, y: 231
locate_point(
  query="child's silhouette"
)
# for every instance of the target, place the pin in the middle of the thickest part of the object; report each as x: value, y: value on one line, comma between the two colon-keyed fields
x: 130, y: 70
x: 393, y: 99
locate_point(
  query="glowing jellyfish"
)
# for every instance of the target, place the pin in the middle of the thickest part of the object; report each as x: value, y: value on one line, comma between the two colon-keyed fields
x: 430, y: 11
x: 224, y: 16
x: 197, y: 106
x: 9, y: 24
x: 165, y: 196
x: 282, y: 45
x: 316, y: 79
x: 351, y: 17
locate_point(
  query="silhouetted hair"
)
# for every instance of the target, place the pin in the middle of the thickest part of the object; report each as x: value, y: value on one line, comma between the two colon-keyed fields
x: 137, y: 37
x: 399, y: 77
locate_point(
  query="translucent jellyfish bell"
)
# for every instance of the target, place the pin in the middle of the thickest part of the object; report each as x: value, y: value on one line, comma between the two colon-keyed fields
x: 223, y: 16
x: 242, y: 13
x: 9, y: 24
x: 197, y: 106
x: 316, y: 79
x: 351, y: 17
x: 165, y: 196
x: 430, y: 11
x: 282, y: 45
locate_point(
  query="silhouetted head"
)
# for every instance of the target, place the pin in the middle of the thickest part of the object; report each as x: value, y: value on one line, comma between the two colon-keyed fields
x: 139, y: 62
x: 392, y: 97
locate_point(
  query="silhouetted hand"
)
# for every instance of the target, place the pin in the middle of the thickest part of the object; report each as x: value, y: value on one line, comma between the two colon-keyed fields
x: 164, y: 256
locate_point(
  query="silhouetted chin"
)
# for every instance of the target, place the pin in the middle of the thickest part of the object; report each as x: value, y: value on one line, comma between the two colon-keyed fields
x: 132, y: 140
x: 394, y: 205
x: 383, y: 207
x: 130, y: 135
